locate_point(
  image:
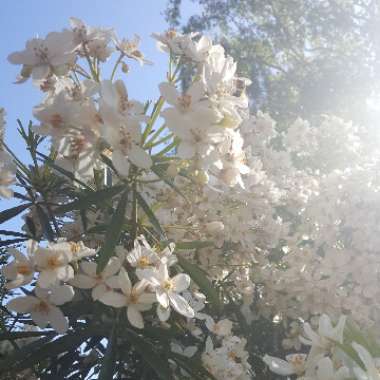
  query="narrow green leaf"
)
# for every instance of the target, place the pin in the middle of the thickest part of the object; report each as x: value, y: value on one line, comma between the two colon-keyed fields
x: 12, y: 212
x: 202, y: 281
x: 26, y: 357
x: 13, y: 335
x: 6, y: 243
x: 91, y: 198
x: 45, y: 223
x: 150, y: 214
x: 113, y: 233
x: 14, y: 233
x: 150, y: 355
x: 108, y: 362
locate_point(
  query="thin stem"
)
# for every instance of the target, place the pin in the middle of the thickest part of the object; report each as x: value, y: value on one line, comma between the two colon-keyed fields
x: 116, y: 65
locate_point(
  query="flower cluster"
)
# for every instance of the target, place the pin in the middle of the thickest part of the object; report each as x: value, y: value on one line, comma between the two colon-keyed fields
x: 327, y: 359
x: 270, y: 221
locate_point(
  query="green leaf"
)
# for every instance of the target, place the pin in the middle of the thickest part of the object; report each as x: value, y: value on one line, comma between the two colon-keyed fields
x: 150, y: 214
x: 113, y: 233
x: 25, y: 334
x: 12, y: 212
x: 45, y: 223
x: 90, y: 198
x: 50, y: 349
x: 5, y: 243
x: 108, y: 362
x: 14, y: 233
x: 202, y: 281
x: 150, y: 355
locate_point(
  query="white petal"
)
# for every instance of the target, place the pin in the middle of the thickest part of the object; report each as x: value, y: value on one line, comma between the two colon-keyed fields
x: 62, y: 294
x: 196, y: 91
x: 139, y: 157
x: 278, y: 366
x: 47, y: 278
x: 113, y: 282
x: 89, y: 268
x: 135, y: 317
x: 325, y: 369
x: 169, y: 92
x: 113, y: 299
x: 57, y: 320
x: 98, y: 291
x: 120, y: 162
x: 40, y: 319
x: 112, y: 267
x: 40, y: 72
x: 181, y: 282
x: 162, y: 298
x: 125, y: 282
x: 181, y: 305
x: 163, y: 313
x: 22, y: 304
x: 83, y: 281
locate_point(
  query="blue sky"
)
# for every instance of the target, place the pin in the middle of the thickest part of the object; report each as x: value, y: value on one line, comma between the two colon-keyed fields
x: 21, y: 20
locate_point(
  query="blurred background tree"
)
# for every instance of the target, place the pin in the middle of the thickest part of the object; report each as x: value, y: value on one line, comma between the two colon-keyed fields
x: 304, y: 57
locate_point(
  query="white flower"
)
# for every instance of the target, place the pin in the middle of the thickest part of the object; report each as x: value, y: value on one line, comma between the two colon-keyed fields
x: 122, y: 127
x: 52, y: 55
x: 130, y: 49
x: 100, y: 283
x: 198, y: 50
x: 294, y: 364
x: 21, y: 270
x: 93, y: 41
x: 218, y: 72
x: 372, y: 366
x: 171, y: 41
x: 167, y: 290
x: 57, y: 117
x: 133, y: 297
x: 326, y: 371
x: 220, y: 328
x: 192, y: 119
x: 323, y: 341
x: 43, y: 306
x: 53, y: 263
x: 142, y: 256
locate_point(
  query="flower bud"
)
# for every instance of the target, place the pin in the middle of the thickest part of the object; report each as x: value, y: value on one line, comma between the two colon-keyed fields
x: 124, y: 68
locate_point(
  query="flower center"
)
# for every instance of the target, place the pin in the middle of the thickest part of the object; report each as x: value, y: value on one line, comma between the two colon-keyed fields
x: 41, y: 52
x: 75, y: 247
x: 56, y: 120
x: 24, y: 269
x: 184, y: 101
x: 53, y: 263
x: 42, y: 307
x: 168, y: 285
x: 143, y: 262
